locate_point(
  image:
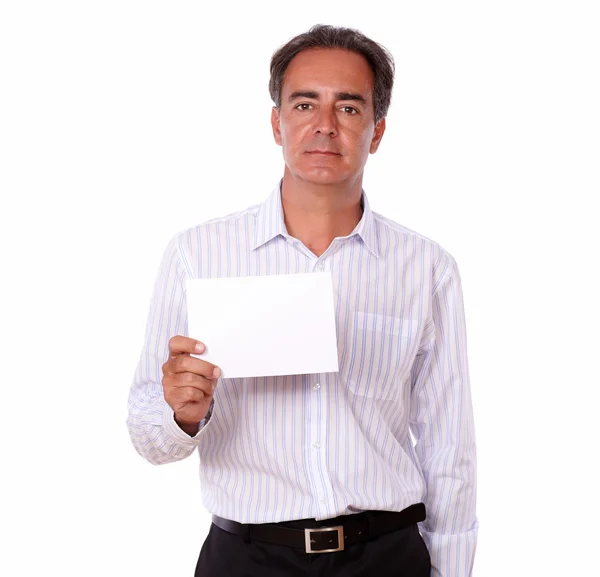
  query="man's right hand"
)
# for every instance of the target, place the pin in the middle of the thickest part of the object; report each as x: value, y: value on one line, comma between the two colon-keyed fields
x: 188, y: 383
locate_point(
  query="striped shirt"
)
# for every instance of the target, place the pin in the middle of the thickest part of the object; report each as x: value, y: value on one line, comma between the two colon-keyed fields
x: 394, y: 426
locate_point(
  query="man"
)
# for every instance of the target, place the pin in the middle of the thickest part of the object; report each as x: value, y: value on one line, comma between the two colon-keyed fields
x: 317, y: 474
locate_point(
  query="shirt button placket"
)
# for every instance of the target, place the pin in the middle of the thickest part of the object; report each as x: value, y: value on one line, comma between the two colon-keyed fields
x: 316, y: 447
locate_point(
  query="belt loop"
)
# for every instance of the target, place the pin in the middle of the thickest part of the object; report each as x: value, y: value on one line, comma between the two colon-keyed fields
x: 371, y: 520
x: 246, y: 532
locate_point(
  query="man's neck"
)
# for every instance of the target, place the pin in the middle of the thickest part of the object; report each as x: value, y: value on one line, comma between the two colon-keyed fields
x: 317, y: 214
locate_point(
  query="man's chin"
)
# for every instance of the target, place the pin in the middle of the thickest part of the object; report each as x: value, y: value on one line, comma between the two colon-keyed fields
x: 321, y: 176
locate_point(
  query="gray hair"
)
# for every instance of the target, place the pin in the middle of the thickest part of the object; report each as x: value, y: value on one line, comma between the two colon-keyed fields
x: 324, y: 36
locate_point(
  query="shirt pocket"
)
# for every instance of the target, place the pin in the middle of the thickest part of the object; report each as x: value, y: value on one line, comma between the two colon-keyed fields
x: 380, y: 350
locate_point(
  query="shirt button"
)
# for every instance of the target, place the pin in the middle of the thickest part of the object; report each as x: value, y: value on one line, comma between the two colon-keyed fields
x: 316, y: 387
x: 324, y: 500
x: 317, y: 445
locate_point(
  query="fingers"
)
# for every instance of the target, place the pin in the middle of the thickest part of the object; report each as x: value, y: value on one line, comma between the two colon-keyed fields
x: 187, y: 364
x: 181, y: 396
x: 184, y: 345
x: 189, y: 380
x: 180, y: 389
x: 189, y: 404
x: 180, y: 361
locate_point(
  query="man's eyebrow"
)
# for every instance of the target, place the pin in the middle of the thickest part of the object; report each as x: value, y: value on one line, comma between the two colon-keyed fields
x: 350, y: 96
x: 304, y: 94
x: 315, y: 96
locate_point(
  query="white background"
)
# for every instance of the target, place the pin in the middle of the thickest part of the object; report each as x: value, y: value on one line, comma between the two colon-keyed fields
x: 122, y: 123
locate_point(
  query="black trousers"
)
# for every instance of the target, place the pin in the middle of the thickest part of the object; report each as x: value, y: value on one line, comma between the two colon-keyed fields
x: 401, y: 553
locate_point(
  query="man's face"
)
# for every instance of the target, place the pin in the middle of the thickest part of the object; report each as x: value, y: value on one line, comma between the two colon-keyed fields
x: 326, y: 123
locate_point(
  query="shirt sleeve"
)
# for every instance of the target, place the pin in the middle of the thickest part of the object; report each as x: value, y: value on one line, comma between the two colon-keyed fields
x: 150, y: 421
x: 442, y: 423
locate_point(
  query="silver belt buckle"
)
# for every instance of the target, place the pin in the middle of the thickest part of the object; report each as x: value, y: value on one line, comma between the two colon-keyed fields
x: 340, y: 534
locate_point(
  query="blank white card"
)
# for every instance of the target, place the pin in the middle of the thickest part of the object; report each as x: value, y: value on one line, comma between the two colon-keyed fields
x: 263, y: 326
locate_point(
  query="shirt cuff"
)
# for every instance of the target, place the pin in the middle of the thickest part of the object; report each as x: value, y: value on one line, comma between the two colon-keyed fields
x: 452, y: 555
x: 181, y: 437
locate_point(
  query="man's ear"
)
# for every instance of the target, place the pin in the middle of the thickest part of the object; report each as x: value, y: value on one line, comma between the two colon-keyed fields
x: 275, y: 125
x: 377, y: 135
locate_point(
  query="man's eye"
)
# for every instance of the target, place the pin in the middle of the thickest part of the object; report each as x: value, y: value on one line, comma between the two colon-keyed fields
x: 303, y: 106
x: 349, y: 109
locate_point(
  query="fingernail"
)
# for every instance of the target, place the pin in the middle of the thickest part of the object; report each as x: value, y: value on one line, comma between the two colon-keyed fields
x: 199, y: 348
x: 217, y: 372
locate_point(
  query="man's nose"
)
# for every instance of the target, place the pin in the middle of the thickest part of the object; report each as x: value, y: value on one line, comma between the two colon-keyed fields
x: 326, y: 122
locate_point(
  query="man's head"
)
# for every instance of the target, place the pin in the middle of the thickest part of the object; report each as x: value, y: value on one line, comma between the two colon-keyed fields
x: 332, y: 89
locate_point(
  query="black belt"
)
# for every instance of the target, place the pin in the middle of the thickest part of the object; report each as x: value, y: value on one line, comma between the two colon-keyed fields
x: 327, y: 539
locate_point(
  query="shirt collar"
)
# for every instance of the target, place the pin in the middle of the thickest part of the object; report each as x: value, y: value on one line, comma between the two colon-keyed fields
x: 270, y: 222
